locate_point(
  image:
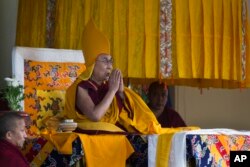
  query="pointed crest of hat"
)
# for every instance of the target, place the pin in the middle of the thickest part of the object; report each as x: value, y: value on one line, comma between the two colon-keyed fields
x: 94, y: 43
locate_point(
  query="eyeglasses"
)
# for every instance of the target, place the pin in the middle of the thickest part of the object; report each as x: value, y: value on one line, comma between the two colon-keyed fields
x: 107, y: 61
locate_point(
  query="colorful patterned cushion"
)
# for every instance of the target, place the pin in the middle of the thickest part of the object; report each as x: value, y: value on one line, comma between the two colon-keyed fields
x: 45, y: 84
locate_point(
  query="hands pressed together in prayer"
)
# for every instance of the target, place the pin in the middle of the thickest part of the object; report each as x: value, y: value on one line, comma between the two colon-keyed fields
x: 116, y: 82
x: 99, y: 95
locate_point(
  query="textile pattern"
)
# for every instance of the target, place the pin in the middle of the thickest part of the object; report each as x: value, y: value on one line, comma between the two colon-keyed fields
x: 214, y: 150
x: 45, y: 84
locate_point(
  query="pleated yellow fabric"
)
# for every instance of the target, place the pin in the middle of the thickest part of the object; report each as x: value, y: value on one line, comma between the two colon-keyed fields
x: 69, y: 24
x: 31, y: 23
x: 131, y: 27
x: 98, y: 150
x: 208, y: 39
x: 206, y: 36
x: 163, y: 149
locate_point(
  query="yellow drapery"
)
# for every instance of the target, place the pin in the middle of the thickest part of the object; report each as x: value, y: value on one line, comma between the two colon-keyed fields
x: 206, y: 44
x: 131, y: 26
x: 31, y: 23
x: 207, y: 39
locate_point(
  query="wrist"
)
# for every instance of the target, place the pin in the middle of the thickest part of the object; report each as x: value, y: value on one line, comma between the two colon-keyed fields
x: 121, y: 94
x: 112, y: 92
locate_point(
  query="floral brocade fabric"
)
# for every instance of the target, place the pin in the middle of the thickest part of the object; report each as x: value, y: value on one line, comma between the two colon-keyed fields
x: 214, y: 150
x: 45, y: 84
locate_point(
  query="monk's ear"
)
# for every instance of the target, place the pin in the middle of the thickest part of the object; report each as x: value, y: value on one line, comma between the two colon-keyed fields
x: 8, y: 135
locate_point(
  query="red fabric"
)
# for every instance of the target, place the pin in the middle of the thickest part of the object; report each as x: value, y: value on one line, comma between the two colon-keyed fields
x: 11, y: 156
x: 170, y: 118
x: 97, y: 92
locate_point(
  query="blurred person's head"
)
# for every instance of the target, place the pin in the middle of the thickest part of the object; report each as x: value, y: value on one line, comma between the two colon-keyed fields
x: 12, y: 128
x: 157, y: 97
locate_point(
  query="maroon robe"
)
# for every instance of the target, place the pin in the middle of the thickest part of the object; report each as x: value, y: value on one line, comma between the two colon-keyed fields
x: 170, y: 118
x: 97, y: 93
x: 11, y: 156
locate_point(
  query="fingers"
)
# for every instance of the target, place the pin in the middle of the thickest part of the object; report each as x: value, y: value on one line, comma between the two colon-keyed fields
x: 114, y: 80
x: 115, y: 75
x: 120, y: 73
x: 119, y: 79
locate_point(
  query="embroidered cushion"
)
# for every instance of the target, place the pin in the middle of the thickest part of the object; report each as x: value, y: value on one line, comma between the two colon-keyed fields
x: 45, y: 84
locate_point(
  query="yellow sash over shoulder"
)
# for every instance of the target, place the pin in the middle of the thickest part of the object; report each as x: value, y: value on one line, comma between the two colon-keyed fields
x: 134, y: 117
x: 137, y: 117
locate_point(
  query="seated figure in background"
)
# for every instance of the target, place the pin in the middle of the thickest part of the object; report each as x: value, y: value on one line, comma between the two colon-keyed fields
x: 12, y: 137
x: 98, y: 100
x: 158, y: 98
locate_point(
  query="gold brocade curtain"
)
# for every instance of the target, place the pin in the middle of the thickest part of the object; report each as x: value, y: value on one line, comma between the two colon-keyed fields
x: 210, y: 43
x: 131, y: 26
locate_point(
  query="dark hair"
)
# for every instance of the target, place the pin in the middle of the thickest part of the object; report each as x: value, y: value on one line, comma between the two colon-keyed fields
x: 156, y: 85
x: 8, y: 122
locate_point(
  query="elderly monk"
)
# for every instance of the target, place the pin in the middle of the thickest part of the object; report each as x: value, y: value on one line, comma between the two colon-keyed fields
x: 99, y: 103
x: 98, y: 100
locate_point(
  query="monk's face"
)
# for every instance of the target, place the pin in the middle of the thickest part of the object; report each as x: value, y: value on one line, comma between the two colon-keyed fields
x: 158, y: 98
x: 18, y: 134
x: 103, y: 67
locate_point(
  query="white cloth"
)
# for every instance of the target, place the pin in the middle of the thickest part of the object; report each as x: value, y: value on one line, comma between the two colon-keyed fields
x: 152, y: 146
x: 178, y: 150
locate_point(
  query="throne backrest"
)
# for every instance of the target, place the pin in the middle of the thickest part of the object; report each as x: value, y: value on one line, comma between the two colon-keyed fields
x: 46, y: 74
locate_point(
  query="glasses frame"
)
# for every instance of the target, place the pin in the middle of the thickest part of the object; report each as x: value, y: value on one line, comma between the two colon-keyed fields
x: 106, y: 61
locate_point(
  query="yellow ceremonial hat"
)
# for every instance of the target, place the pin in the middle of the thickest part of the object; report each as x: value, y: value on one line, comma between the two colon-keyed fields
x: 94, y: 43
